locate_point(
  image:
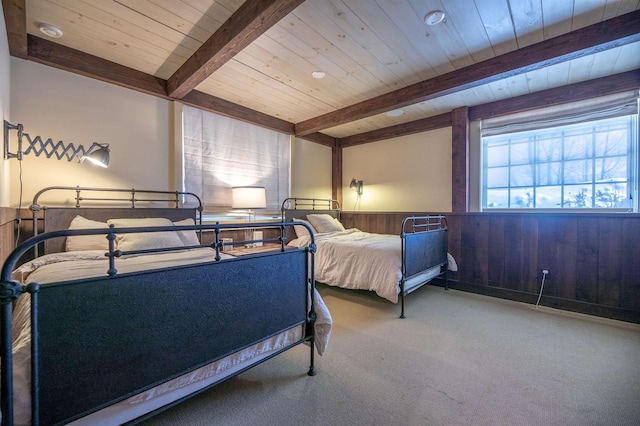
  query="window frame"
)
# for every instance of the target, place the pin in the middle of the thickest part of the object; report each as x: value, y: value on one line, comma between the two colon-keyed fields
x: 477, y: 152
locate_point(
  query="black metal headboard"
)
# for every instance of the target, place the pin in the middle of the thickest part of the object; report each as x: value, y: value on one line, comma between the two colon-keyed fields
x: 299, y: 208
x: 92, y: 204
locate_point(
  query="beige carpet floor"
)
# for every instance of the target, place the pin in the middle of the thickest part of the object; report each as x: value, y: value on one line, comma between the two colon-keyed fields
x: 457, y: 359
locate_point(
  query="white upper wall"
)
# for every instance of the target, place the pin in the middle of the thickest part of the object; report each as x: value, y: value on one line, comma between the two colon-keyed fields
x: 405, y: 174
x: 310, y: 170
x: 5, y: 92
x: 74, y: 109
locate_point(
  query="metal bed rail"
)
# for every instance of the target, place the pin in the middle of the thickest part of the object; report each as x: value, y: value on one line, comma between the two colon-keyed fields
x: 296, y: 203
x: 135, y: 198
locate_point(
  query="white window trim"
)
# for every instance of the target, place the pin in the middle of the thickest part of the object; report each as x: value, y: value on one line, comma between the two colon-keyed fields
x: 476, y: 173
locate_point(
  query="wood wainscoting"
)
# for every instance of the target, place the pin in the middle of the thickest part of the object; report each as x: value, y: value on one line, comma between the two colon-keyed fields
x: 593, y: 259
x: 7, y: 231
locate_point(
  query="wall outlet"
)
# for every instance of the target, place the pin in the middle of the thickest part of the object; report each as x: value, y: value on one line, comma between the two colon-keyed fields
x: 545, y: 273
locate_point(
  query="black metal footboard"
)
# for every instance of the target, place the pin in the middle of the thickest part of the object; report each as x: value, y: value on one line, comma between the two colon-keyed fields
x: 424, y: 250
x: 101, y: 340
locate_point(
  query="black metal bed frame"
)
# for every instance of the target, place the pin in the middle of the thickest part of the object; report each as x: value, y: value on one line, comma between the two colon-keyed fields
x: 296, y: 208
x: 424, y: 240
x: 144, y: 202
x: 424, y: 246
x: 97, y: 341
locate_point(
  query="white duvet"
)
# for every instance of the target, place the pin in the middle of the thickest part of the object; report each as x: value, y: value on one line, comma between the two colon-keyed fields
x: 77, y: 265
x: 359, y: 260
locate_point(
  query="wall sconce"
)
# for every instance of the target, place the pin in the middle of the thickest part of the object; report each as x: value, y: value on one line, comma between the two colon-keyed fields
x: 356, y: 185
x: 98, y: 153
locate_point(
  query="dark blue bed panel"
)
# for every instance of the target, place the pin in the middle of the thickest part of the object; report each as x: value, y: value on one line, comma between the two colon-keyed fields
x: 103, y: 340
x: 424, y: 250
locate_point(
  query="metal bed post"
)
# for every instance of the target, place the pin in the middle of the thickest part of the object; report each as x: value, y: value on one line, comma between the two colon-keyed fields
x: 312, y: 313
x: 404, y: 269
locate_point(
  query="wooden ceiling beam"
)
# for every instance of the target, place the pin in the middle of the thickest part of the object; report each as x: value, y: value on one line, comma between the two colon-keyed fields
x: 595, y: 38
x: 249, y: 22
x: 229, y: 109
x: 68, y: 59
x: 322, y: 139
x: 411, y: 127
x: 15, y: 17
x: 584, y: 90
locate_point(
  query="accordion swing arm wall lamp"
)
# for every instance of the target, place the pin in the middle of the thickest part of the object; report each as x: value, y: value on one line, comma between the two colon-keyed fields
x: 98, y: 153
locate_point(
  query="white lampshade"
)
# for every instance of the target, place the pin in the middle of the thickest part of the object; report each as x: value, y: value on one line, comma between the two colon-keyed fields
x: 248, y: 197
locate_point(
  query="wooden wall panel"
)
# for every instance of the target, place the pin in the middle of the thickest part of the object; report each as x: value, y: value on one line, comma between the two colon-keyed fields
x: 592, y: 258
x: 565, y: 256
x: 548, y: 252
x: 513, y: 253
x: 481, y: 235
x: 587, y: 261
x: 7, y: 231
x: 529, y: 272
x: 468, y: 249
x: 609, y: 266
x: 497, y: 252
x: 630, y: 265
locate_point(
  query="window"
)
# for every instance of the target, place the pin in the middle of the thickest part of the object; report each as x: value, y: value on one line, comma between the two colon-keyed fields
x: 570, y: 157
x: 220, y: 153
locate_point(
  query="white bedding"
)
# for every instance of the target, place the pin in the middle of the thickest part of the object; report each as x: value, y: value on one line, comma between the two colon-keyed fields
x: 76, y: 265
x: 359, y: 260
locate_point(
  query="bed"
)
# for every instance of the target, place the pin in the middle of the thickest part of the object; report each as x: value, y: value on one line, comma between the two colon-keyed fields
x: 95, y: 335
x: 390, y: 265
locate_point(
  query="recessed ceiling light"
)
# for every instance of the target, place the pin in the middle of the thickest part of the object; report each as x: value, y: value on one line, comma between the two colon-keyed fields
x: 434, y: 17
x: 395, y: 113
x: 318, y: 74
x: 50, y: 30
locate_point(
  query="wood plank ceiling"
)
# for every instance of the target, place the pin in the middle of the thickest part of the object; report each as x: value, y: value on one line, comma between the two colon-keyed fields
x: 254, y: 59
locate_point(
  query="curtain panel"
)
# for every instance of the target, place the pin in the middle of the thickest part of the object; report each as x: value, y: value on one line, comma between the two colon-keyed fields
x: 220, y: 153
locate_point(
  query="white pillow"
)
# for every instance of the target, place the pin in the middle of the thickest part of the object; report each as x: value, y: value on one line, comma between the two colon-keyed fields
x: 301, y: 231
x: 145, y: 240
x: 339, y: 224
x: 188, y: 238
x: 325, y: 223
x: 87, y: 242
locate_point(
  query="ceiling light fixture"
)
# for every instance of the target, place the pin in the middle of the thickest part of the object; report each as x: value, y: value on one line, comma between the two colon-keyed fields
x: 50, y: 30
x: 434, y: 17
x: 318, y: 74
x: 395, y: 113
